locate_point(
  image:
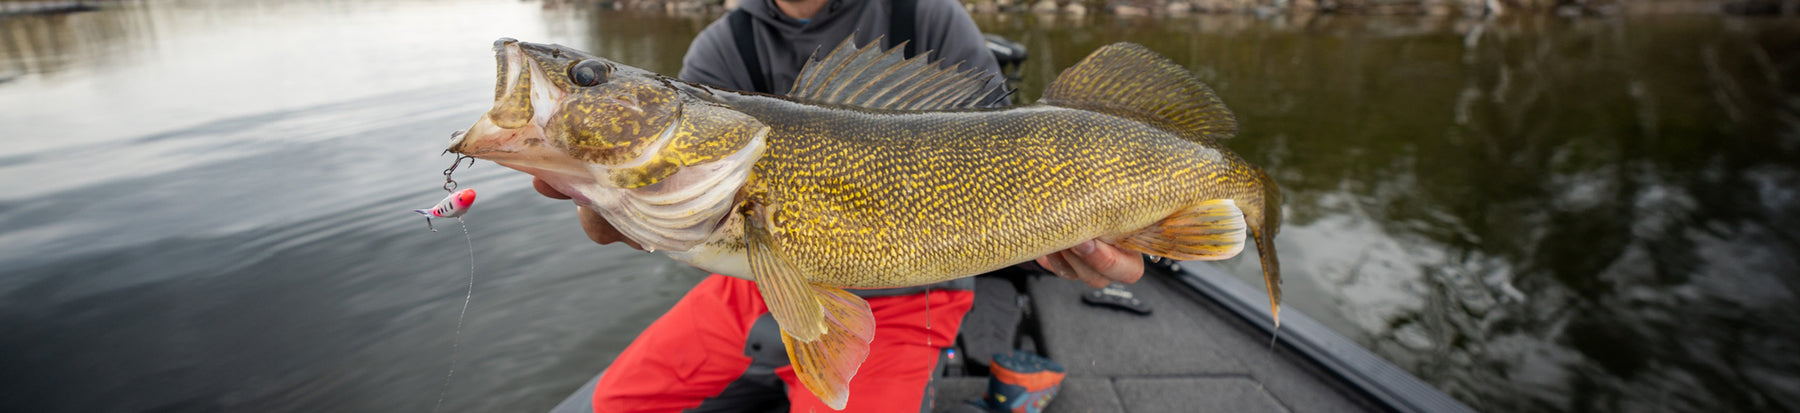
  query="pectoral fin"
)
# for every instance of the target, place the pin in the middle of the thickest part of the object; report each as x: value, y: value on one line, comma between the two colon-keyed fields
x: 790, y: 298
x: 827, y: 330
x: 1212, y: 230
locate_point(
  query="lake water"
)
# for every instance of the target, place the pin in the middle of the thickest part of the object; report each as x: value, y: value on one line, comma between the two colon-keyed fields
x: 208, y: 203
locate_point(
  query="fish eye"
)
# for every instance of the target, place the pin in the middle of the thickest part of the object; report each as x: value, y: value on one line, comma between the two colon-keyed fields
x: 588, y: 73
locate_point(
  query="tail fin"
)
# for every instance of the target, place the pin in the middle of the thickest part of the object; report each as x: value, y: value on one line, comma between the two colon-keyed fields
x: 1128, y: 80
x: 1264, y: 224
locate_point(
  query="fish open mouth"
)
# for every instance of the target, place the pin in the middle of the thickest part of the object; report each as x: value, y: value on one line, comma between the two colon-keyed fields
x: 626, y: 144
x: 523, y: 102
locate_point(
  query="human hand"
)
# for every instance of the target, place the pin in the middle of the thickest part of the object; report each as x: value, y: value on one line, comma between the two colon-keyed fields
x: 597, y: 228
x: 1095, y: 263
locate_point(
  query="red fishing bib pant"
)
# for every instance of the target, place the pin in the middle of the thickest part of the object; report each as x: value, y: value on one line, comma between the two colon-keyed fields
x: 693, y: 352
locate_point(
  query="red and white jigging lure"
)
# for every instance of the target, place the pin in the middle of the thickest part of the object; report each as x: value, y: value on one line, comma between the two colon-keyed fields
x: 453, y: 206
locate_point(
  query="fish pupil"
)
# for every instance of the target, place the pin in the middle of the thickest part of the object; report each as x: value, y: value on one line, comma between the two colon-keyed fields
x: 587, y: 73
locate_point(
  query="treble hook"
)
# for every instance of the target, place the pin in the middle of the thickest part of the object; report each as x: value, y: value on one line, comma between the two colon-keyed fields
x: 450, y: 184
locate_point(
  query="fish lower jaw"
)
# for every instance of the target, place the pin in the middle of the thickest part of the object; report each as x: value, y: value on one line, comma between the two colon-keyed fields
x: 526, y: 150
x: 524, y: 145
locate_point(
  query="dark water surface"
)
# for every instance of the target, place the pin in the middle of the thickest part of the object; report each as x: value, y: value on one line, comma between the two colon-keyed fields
x: 207, y: 203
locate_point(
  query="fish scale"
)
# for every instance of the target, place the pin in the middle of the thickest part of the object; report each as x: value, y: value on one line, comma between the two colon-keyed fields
x: 878, y: 171
x: 961, y: 180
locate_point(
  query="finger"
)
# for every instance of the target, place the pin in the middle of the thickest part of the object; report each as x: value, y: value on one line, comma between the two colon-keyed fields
x: 545, y: 189
x: 1082, y: 271
x: 1056, y: 265
x: 599, y: 230
x: 1111, y: 262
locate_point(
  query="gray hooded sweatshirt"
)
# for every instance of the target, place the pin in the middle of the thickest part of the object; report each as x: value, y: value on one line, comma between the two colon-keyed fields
x: 784, y: 43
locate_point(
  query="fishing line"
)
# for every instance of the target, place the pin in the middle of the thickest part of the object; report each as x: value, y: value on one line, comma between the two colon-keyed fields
x: 1269, y: 356
x: 467, y: 297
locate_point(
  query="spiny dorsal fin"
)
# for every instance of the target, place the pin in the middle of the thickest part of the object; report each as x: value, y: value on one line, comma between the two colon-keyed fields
x: 1126, y: 79
x: 873, y: 78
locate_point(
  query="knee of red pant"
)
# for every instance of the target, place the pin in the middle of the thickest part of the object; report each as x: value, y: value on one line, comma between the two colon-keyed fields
x: 689, y: 354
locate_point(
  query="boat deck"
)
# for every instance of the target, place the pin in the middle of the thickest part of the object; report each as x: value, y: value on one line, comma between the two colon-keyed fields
x: 1188, y: 355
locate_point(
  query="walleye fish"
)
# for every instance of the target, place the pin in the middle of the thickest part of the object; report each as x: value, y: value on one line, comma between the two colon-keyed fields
x: 879, y: 171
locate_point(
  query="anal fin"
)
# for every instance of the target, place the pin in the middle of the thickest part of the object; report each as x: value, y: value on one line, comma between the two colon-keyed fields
x: 1211, y: 230
x: 827, y: 330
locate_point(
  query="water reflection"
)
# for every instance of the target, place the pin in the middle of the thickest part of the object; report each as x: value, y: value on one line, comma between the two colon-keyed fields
x: 655, y: 47
x: 1534, y: 214
x: 1654, y: 223
x: 51, y: 43
x: 215, y: 219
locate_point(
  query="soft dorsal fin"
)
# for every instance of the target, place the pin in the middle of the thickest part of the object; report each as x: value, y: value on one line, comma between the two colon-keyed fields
x: 873, y: 78
x: 1126, y: 79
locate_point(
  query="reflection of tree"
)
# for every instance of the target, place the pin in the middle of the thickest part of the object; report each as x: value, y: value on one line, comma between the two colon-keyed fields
x: 649, y: 40
x: 1597, y: 167
x: 50, y: 43
x: 1607, y: 205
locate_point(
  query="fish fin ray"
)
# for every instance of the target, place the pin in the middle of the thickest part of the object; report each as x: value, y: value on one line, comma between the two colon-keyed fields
x: 1126, y: 79
x: 1212, y: 230
x: 1265, y: 249
x: 876, y: 78
x: 827, y: 330
x: 784, y: 288
x: 826, y: 365
x: 1264, y: 230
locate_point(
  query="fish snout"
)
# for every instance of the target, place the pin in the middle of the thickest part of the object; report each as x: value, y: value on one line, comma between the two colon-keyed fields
x: 501, y: 43
x: 515, y: 105
x: 481, y: 138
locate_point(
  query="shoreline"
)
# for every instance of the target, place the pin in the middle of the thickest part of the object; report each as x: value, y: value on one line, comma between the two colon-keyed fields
x: 1263, y: 8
